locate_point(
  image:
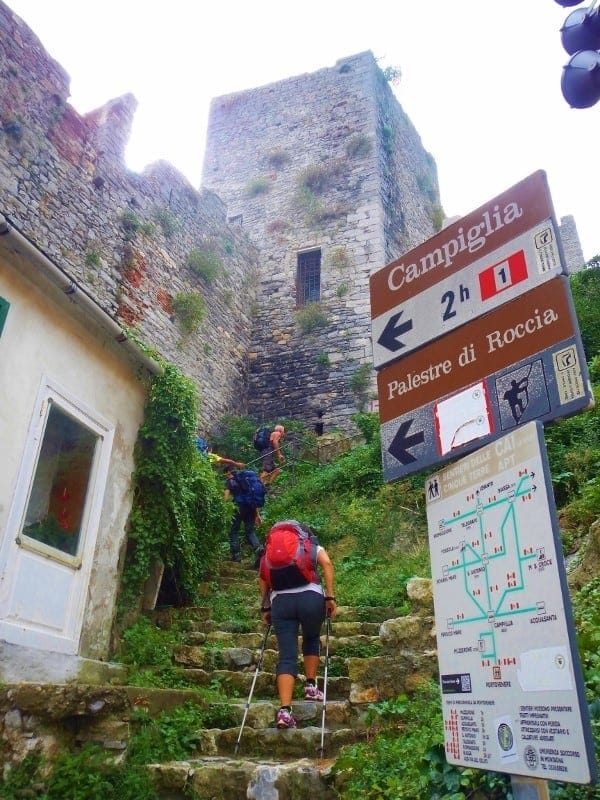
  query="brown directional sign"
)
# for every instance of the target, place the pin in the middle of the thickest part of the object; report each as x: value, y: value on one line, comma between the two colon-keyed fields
x: 492, y: 225
x: 486, y: 259
x: 529, y: 324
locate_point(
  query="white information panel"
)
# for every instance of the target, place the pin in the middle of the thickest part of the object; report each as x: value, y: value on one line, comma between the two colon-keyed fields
x: 511, y: 683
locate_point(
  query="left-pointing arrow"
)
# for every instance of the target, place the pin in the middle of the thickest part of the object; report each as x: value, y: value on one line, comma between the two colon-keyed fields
x: 391, y: 332
x: 401, y: 442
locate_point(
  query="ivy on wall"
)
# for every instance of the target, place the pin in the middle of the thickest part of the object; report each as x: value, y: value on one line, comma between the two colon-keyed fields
x: 178, y: 511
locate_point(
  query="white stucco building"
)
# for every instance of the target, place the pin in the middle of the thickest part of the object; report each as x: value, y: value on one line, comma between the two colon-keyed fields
x: 72, y: 395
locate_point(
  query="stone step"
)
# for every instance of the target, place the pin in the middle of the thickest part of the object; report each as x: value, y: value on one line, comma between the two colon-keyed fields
x: 242, y: 658
x: 357, y: 645
x: 344, y: 613
x: 236, y: 569
x: 301, y: 742
x: 228, y: 626
x: 366, y: 614
x: 237, y: 683
x: 338, y: 714
x: 355, y: 628
x: 242, y: 778
x: 166, y: 616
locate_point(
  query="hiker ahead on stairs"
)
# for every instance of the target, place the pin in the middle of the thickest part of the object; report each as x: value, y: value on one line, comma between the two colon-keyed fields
x: 248, y: 494
x: 292, y: 599
x: 268, y: 443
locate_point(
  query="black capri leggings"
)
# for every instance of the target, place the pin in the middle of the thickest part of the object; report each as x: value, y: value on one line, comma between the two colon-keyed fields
x: 289, y: 613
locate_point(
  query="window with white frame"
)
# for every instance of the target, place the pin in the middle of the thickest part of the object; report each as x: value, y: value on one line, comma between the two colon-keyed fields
x: 57, y: 500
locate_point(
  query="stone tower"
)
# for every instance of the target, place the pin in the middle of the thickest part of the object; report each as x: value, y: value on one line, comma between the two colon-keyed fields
x: 328, y: 177
x: 574, y: 259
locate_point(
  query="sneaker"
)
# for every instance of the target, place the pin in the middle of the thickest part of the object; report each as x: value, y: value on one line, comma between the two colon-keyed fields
x: 285, y: 719
x: 237, y: 557
x: 312, y: 692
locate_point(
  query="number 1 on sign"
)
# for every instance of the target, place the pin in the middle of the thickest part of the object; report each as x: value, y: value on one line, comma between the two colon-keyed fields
x: 501, y: 276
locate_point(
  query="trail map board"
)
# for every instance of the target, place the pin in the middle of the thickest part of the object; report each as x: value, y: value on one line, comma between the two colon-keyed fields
x: 512, y: 691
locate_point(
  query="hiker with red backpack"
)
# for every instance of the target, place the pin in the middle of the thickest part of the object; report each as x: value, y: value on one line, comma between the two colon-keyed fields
x: 247, y: 491
x: 293, y: 599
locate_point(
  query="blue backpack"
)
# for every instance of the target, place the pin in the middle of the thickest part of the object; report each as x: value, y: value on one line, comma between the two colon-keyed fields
x: 202, y: 445
x: 248, y: 489
x: 262, y: 438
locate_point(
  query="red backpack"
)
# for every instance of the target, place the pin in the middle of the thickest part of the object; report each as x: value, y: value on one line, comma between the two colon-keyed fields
x: 290, y: 558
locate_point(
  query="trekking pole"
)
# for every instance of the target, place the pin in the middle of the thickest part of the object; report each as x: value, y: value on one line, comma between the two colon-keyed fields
x: 256, y: 671
x: 259, y: 458
x: 327, y: 632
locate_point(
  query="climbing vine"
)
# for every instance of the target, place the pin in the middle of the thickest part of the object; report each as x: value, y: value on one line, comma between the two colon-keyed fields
x: 178, y: 511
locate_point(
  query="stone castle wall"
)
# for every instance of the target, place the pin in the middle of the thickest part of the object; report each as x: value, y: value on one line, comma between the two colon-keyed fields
x: 124, y: 237
x: 326, y: 161
x: 323, y: 161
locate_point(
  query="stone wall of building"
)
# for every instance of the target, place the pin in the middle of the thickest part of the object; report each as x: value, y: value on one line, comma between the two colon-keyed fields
x: 326, y: 161
x: 125, y: 238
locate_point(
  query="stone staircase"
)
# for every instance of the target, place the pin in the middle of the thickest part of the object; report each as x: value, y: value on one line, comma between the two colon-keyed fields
x: 374, y: 654
x: 266, y: 763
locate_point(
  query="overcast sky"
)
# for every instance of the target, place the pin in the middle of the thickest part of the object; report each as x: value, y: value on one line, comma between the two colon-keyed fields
x: 480, y: 80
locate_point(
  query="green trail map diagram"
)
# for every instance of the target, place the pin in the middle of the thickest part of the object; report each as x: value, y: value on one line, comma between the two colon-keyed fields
x: 512, y: 691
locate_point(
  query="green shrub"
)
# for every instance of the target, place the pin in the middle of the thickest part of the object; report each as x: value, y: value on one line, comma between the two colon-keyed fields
x: 339, y: 258
x: 174, y: 735
x: 278, y: 157
x: 318, y: 178
x: 13, y: 127
x: 257, y: 186
x: 148, y: 652
x: 359, y: 146
x: 368, y: 424
x: 88, y: 774
x: 132, y: 224
x: 204, y: 263
x: 92, y: 258
x: 168, y: 221
x: 360, y: 380
x: 178, y: 513
x: 190, y: 310
x: 437, y: 217
x: 585, y: 287
x: 16, y: 782
x: 312, y: 317
x: 387, y: 136
x: 392, y: 74
x: 278, y: 226
x: 406, y: 758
